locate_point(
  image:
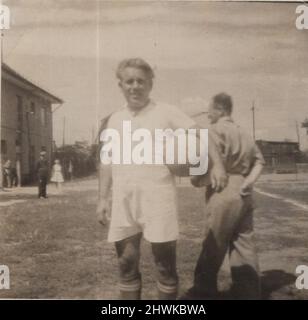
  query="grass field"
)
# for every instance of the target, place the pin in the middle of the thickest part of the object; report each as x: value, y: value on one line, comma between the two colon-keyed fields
x: 56, y: 249
x: 296, y: 190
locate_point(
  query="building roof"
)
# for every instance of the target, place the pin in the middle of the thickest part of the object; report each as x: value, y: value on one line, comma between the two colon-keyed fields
x: 12, y: 76
x: 277, y: 142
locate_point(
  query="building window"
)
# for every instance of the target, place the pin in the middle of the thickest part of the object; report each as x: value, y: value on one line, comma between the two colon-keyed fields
x: 19, y: 112
x: 18, y: 140
x: 3, y: 147
x: 32, y: 108
x: 43, y: 116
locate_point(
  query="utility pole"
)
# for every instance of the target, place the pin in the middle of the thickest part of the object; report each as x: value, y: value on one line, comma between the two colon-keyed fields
x: 63, y: 140
x: 297, y: 133
x: 253, y: 120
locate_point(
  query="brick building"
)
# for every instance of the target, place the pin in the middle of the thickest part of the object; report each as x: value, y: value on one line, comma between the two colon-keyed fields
x: 26, y: 122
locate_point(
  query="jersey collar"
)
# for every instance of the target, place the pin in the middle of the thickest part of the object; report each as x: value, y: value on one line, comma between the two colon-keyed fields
x: 138, y: 112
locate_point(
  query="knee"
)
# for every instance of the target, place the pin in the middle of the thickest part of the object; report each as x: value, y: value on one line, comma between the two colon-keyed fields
x: 127, y: 261
x: 165, y: 260
x: 128, y: 265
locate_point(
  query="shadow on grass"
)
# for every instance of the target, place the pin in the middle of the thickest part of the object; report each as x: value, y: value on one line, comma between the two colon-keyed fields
x: 273, y: 280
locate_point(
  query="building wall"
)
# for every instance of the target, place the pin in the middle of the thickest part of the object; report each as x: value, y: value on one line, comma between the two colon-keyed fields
x: 29, y: 128
x: 279, y: 156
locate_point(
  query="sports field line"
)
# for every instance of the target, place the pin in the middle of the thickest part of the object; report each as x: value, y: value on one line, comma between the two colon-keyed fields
x: 284, y: 199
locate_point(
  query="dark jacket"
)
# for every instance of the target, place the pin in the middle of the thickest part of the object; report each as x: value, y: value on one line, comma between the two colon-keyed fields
x: 42, y: 168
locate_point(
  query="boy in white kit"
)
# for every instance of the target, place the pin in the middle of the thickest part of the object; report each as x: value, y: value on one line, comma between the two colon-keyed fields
x: 144, y: 196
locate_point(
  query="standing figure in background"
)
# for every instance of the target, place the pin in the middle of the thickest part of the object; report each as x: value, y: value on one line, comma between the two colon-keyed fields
x: 57, y: 175
x: 42, y: 169
x: 70, y: 170
x: 7, y: 173
x: 14, y: 177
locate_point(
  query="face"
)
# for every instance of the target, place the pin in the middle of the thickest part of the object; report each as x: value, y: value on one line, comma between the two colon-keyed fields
x: 214, y: 114
x: 136, y: 87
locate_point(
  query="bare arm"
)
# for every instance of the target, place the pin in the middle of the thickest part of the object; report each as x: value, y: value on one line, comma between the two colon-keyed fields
x: 218, y: 175
x: 104, y: 190
x: 104, y: 181
x: 255, y: 172
x: 249, y: 181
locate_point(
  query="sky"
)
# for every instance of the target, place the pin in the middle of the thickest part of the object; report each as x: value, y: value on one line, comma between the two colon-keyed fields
x: 252, y: 51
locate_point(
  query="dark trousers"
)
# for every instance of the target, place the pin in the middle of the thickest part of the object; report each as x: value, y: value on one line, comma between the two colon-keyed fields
x: 8, y: 180
x: 42, y: 186
x: 128, y: 251
x: 229, y: 231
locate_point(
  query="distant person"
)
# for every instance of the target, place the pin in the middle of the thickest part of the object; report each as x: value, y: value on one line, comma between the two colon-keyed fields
x: 70, y: 170
x: 230, y: 213
x: 14, y: 177
x: 7, y: 172
x: 57, y: 175
x: 42, y: 169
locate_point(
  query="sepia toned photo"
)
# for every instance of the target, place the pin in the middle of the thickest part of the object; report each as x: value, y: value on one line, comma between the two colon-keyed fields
x: 154, y: 150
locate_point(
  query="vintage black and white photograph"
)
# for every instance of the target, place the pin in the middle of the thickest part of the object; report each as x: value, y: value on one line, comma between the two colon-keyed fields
x: 154, y: 150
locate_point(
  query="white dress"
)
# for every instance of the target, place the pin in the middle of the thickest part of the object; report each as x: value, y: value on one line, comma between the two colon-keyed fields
x: 57, y: 173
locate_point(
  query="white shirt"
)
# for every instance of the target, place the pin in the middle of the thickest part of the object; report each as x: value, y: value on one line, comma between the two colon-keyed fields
x: 153, y: 116
x: 144, y: 196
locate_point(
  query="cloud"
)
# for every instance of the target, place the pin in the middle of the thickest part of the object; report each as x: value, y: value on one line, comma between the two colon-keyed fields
x: 202, y: 16
x: 62, y: 4
x: 221, y: 36
x: 252, y: 51
x: 199, y: 15
x: 53, y: 17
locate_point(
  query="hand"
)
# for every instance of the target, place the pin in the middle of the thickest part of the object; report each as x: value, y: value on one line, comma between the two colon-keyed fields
x: 246, y: 188
x: 219, y: 178
x: 102, y: 211
x: 200, y: 181
x: 196, y: 181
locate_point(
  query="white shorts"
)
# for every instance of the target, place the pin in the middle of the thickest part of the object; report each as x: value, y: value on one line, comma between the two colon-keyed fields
x: 150, y: 209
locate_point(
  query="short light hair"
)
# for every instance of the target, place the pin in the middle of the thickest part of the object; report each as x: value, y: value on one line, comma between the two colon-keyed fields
x: 137, y: 63
x: 223, y: 101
